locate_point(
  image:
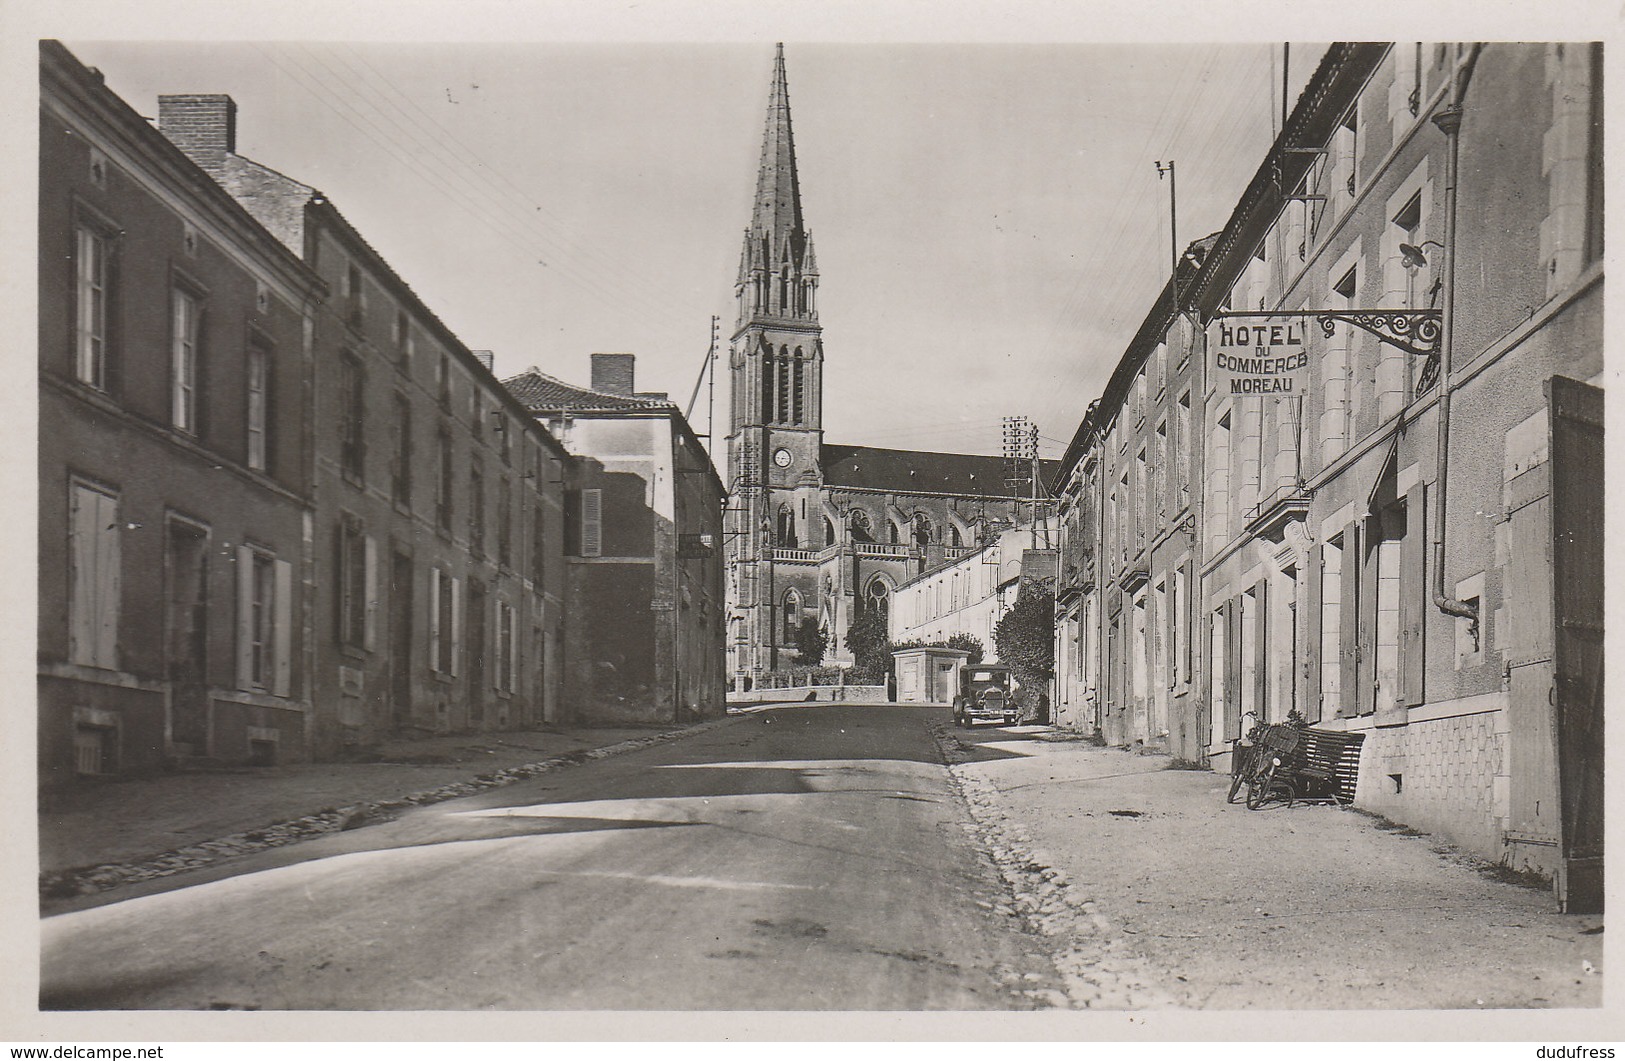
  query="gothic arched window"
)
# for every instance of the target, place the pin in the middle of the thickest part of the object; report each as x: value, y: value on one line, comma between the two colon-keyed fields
x: 798, y: 381
x: 955, y: 539
x: 829, y: 532
x: 858, y: 522
x: 878, y: 595
x: 784, y: 385
x: 792, y: 615
x: 922, y: 529
x: 768, y: 384
x: 786, y: 529
x: 891, y: 531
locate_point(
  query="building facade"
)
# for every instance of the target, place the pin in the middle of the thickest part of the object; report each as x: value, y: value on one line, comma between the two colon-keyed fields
x: 174, y: 454
x: 967, y: 596
x: 642, y: 549
x: 1402, y: 545
x: 438, y: 511
x: 816, y: 530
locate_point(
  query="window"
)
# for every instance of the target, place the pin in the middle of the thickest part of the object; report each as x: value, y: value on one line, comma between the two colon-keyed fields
x: 476, y: 507
x: 401, y: 480
x: 357, y: 584
x: 506, y: 649
x: 90, y: 332
x: 1409, y: 223
x: 445, y: 622
x: 538, y: 553
x: 258, y: 401
x: 592, y: 522
x: 1332, y: 608
x: 504, y: 523
x: 356, y: 306
x: 792, y: 616
x: 93, y: 577
x: 785, y: 529
x: 352, y: 423
x: 184, y: 317
x: 400, y: 335
x: 442, y: 380
x: 264, y: 621
x: 443, y: 505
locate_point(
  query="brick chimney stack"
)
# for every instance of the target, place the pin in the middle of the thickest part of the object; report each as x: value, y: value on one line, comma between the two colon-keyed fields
x: 202, y: 125
x: 486, y: 358
x: 612, y: 373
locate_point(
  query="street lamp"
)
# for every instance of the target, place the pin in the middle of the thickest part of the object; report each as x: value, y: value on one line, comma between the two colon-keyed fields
x: 1413, y: 257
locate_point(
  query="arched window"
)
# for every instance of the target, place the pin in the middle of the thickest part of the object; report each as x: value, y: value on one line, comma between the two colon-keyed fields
x: 829, y: 532
x: 879, y: 595
x: 858, y: 522
x: 922, y: 529
x: 891, y: 531
x: 792, y: 616
x: 955, y: 539
x: 786, y: 529
x: 784, y: 385
x: 769, y: 386
x: 798, y: 385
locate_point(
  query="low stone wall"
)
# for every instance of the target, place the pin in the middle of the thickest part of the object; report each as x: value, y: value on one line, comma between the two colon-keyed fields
x: 824, y: 694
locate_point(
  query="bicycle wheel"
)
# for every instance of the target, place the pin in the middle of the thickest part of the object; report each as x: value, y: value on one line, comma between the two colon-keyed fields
x: 1258, y: 787
x: 1239, y: 769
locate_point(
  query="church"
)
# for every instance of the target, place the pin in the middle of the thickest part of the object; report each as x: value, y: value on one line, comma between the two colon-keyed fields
x: 818, y: 530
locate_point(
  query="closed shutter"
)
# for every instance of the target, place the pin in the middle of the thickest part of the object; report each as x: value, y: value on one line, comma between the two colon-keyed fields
x: 592, y: 522
x: 1348, y: 684
x: 245, y: 617
x: 1261, y: 657
x: 282, y: 630
x: 369, y: 639
x: 434, y: 619
x: 1309, y: 636
x: 1232, y: 669
x: 456, y: 627
x: 1413, y: 594
x: 109, y: 581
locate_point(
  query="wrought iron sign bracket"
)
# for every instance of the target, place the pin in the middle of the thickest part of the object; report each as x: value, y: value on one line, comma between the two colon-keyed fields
x: 1415, y: 331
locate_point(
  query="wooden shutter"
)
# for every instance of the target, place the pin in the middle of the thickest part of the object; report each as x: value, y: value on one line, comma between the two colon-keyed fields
x: 1309, y: 633
x: 1413, y: 594
x: 369, y: 603
x: 1232, y: 668
x: 1261, y: 656
x: 245, y: 617
x: 434, y: 619
x: 1348, y: 682
x: 456, y: 626
x: 282, y: 630
x: 592, y: 522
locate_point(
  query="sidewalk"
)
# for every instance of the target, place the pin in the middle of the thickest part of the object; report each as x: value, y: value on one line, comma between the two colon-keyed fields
x: 123, y: 830
x: 1157, y: 893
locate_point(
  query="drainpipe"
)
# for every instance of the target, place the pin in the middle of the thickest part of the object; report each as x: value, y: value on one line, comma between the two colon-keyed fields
x: 1449, y: 122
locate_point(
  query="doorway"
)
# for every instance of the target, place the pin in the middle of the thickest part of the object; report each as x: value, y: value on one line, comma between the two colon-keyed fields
x: 186, y: 633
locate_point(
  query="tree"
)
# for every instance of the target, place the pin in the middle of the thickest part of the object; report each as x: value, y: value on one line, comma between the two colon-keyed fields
x: 867, y: 638
x: 811, y: 642
x: 1025, y: 638
x: 970, y: 643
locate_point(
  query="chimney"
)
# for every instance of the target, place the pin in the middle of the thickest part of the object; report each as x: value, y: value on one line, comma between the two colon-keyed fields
x: 612, y: 373
x: 486, y: 358
x: 203, y: 126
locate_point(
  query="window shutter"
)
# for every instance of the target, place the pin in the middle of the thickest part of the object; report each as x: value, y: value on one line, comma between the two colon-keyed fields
x: 501, y: 644
x: 370, y: 592
x: 82, y: 514
x: 108, y: 580
x: 1232, y: 668
x: 592, y: 522
x: 1309, y: 635
x: 456, y: 626
x: 1348, y: 682
x: 434, y: 619
x: 1261, y: 656
x: 1413, y: 594
x: 282, y: 630
x: 245, y: 617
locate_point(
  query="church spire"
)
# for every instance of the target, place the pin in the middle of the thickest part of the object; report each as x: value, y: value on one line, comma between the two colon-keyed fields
x: 777, y: 270
x: 777, y: 214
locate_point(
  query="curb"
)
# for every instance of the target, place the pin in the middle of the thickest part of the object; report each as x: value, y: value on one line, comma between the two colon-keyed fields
x: 89, y: 880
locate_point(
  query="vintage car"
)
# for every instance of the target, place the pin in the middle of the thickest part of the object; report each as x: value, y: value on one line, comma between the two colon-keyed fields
x: 984, y: 693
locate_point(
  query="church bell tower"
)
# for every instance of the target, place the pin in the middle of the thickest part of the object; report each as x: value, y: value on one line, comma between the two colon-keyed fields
x: 776, y: 367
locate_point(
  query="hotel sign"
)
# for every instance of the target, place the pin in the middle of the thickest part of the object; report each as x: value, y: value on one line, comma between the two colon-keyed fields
x: 1260, y: 355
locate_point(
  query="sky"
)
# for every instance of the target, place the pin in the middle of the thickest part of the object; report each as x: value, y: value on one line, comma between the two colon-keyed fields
x: 989, y: 220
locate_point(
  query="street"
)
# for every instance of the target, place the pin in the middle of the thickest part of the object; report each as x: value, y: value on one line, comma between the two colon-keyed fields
x: 837, y: 857
x: 799, y: 859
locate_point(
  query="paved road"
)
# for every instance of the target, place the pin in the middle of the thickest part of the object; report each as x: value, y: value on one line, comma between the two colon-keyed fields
x: 803, y: 858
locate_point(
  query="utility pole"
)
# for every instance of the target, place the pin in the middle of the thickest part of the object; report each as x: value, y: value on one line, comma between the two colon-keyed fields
x: 1173, y: 221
